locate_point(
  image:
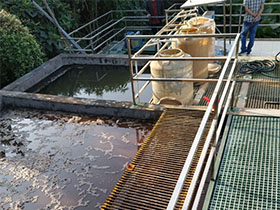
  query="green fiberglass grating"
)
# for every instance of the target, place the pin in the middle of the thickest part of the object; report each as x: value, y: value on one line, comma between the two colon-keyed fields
x: 264, y: 95
x: 249, y: 174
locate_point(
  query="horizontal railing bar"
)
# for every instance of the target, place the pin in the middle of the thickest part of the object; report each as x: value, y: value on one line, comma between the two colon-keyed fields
x: 260, y: 25
x: 177, y: 79
x: 97, y: 40
x: 202, y: 80
x: 218, y: 58
x: 174, y: 5
x: 108, y: 39
x: 143, y: 16
x: 78, y: 50
x: 141, y: 28
x: 118, y: 21
x: 107, y: 13
x: 257, y: 81
x: 237, y: 15
x: 180, y: 36
x: 129, y: 10
x: 138, y: 20
x: 173, y: 10
x: 95, y: 31
x: 240, y: 4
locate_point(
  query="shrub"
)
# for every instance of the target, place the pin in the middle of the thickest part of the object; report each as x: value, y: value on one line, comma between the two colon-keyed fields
x: 19, y: 51
x: 43, y: 30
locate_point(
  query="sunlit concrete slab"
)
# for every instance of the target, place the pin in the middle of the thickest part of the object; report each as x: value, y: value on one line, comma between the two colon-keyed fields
x: 265, y: 48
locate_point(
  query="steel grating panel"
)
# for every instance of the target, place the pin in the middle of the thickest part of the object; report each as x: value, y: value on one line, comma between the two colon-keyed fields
x: 264, y: 95
x: 210, y: 89
x: 151, y: 177
x: 249, y: 173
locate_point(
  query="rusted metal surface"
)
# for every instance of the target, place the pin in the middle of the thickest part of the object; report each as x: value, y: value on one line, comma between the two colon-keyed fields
x: 151, y: 177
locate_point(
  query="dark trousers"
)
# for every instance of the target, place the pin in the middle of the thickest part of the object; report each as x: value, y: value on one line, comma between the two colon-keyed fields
x: 250, y: 28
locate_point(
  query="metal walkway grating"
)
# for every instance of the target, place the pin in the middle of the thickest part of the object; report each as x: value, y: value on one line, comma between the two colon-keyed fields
x: 264, y: 95
x: 210, y: 89
x: 249, y: 173
x: 151, y: 177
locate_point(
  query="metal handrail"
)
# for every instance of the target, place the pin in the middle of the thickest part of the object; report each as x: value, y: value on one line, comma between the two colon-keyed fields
x: 172, y: 9
x: 197, y: 139
x: 102, y: 16
x: 211, y: 133
x: 95, y: 20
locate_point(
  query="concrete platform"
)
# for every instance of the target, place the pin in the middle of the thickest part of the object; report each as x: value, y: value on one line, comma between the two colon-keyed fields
x: 265, y: 48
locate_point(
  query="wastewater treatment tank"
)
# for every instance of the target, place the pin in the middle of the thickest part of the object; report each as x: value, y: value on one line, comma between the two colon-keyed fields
x: 54, y: 160
x: 91, y: 82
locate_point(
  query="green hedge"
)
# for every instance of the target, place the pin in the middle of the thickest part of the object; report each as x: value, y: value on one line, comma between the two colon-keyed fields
x: 19, y: 51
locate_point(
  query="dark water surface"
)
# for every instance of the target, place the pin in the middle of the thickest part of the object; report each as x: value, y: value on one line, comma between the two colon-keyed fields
x: 92, y: 81
x: 61, y: 161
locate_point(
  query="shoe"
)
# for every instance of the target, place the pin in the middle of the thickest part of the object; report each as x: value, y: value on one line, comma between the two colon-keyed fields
x: 248, y: 53
x: 242, y: 53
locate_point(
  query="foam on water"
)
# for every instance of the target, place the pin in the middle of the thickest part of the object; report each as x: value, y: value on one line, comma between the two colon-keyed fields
x: 61, y: 161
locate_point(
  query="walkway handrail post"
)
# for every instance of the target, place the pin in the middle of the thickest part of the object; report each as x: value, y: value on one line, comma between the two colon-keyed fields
x: 131, y: 69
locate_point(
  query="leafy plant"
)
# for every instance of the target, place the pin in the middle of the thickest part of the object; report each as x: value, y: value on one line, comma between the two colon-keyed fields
x: 45, y: 32
x: 19, y: 51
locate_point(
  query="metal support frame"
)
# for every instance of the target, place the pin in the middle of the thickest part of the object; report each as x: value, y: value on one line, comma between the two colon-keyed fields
x: 215, y: 128
x: 106, y: 32
x: 137, y: 57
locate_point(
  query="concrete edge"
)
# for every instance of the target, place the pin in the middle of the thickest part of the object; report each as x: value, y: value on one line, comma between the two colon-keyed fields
x: 95, y: 59
x: 38, y: 74
x: 80, y: 105
x: 33, y: 77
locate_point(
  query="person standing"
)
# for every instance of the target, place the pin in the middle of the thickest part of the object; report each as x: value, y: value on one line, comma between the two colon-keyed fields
x: 155, y: 8
x: 254, y: 9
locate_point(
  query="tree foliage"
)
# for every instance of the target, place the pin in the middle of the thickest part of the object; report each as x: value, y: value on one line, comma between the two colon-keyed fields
x: 19, y: 51
x: 44, y: 31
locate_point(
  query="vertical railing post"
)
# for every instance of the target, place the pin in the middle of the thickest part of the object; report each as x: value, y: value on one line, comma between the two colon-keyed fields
x: 91, y: 45
x: 216, y: 117
x: 232, y: 98
x: 230, y: 19
x: 224, y: 10
x: 166, y: 17
x: 131, y: 69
